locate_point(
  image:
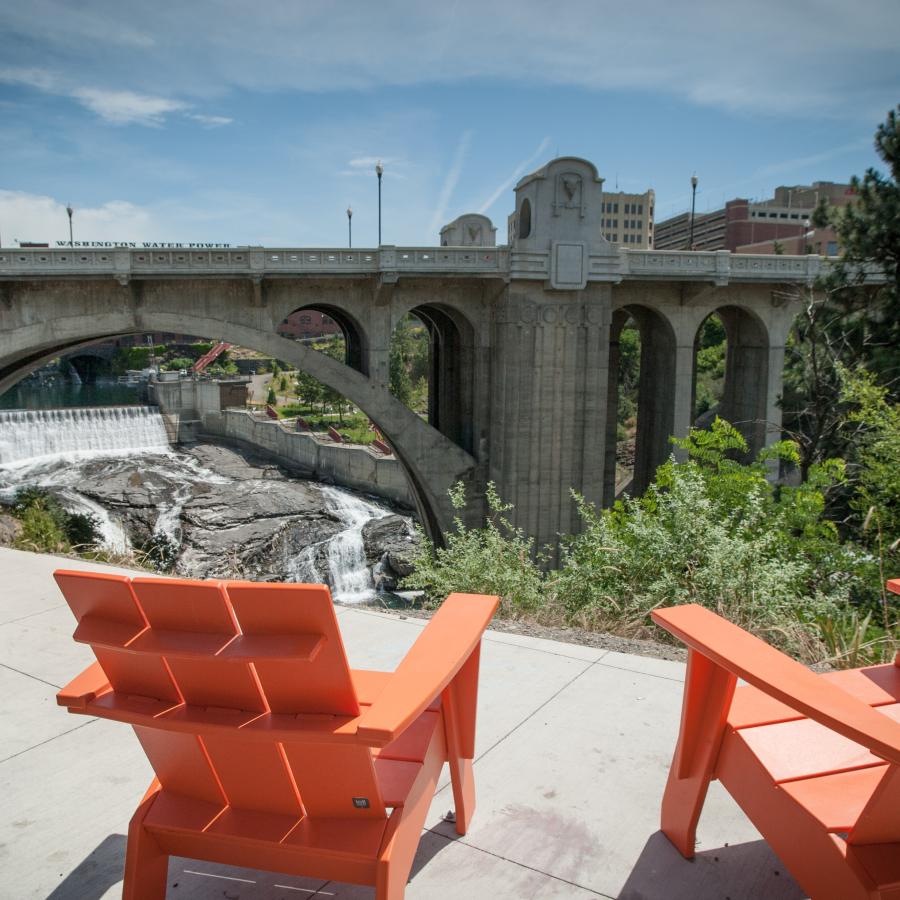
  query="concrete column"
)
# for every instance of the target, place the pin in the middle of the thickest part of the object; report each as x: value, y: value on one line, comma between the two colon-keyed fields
x: 747, y: 366
x: 779, y: 327
x: 656, y: 396
x: 685, y: 391
x: 548, y: 417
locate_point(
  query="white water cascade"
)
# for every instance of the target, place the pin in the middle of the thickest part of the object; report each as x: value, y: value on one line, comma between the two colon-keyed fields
x: 349, y: 575
x: 30, y: 436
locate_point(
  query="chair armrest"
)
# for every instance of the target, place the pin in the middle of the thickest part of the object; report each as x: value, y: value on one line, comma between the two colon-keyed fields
x: 84, y: 688
x: 781, y: 677
x: 439, y: 652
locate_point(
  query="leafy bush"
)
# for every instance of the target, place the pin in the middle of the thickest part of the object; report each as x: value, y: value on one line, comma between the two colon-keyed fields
x: 48, y: 527
x: 126, y: 358
x: 710, y: 530
x: 177, y: 364
x: 159, y: 552
x: 222, y: 369
x: 495, y: 559
x: 40, y: 530
x: 875, y: 462
x: 408, y: 363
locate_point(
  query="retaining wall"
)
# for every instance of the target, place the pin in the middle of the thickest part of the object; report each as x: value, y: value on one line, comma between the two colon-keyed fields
x: 347, y: 465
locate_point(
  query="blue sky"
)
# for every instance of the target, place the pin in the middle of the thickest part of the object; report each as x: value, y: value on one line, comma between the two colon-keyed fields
x: 223, y: 122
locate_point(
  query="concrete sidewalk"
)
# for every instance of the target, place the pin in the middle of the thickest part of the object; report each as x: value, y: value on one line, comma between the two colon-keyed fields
x: 574, y: 745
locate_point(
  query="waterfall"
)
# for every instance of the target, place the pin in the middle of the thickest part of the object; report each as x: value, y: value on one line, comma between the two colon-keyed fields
x: 349, y: 575
x: 168, y: 523
x: 28, y: 436
x: 112, y: 535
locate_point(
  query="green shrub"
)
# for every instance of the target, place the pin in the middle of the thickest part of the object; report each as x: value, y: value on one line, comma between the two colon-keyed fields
x: 495, y: 559
x: 126, y: 358
x: 709, y: 530
x: 177, y: 364
x: 160, y: 552
x: 48, y: 527
x: 713, y: 531
x: 41, y: 531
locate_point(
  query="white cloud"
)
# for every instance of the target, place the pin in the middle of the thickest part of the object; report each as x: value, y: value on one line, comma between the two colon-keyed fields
x: 34, y: 217
x: 450, y: 182
x: 365, y: 166
x: 821, y: 59
x: 813, y: 160
x: 36, y: 78
x: 210, y: 121
x: 125, y: 107
x: 119, y: 107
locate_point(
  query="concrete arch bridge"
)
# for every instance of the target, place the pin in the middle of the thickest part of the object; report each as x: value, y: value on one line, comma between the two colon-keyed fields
x: 524, y: 337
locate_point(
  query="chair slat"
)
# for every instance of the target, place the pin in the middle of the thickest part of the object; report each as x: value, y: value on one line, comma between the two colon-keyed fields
x: 318, y: 685
x: 350, y: 789
x: 254, y: 775
x: 181, y: 764
x: 109, y: 617
x: 195, y: 619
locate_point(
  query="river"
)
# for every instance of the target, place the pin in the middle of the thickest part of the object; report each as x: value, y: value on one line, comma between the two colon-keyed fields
x: 218, y: 512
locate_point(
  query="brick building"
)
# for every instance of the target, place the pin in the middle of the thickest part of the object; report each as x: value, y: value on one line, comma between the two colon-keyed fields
x: 305, y: 324
x: 784, y: 218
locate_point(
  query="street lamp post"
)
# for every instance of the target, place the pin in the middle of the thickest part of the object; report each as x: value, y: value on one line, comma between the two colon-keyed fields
x: 693, y: 203
x: 379, y: 171
x: 350, y: 227
x: 69, y: 210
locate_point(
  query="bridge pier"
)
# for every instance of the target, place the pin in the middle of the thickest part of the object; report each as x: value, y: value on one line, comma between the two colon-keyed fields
x: 548, y: 425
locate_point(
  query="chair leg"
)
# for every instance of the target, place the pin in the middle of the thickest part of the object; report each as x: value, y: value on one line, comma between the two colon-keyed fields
x: 404, y: 827
x: 146, y: 866
x: 462, y: 777
x: 708, y: 691
x: 390, y: 885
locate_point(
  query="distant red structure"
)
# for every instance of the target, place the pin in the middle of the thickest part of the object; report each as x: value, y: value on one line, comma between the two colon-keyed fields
x: 210, y: 357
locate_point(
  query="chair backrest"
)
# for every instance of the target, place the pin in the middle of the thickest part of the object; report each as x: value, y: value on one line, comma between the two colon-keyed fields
x: 208, y: 659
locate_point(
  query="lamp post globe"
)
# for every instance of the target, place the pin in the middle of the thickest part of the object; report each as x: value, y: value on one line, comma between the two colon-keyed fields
x: 350, y: 227
x: 69, y: 211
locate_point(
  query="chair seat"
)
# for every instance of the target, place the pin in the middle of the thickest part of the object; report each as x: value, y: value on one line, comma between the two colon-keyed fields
x: 874, y: 685
x: 804, y: 749
x: 836, y: 800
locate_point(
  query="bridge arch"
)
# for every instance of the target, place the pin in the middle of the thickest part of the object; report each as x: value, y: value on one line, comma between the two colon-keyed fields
x: 745, y: 392
x: 655, y: 395
x: 356, y: 343
x: 451, y: 367
x: 431, y: 461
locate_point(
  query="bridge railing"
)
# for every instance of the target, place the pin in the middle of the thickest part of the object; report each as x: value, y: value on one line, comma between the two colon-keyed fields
x: 719, y: 266
x: 120, y: 261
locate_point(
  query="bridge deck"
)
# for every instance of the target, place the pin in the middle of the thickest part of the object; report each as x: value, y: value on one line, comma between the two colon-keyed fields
x: 577, y: 818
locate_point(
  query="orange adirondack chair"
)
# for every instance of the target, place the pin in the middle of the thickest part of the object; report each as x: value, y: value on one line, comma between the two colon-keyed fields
x: 269, y: 751
x: 813, y: 760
